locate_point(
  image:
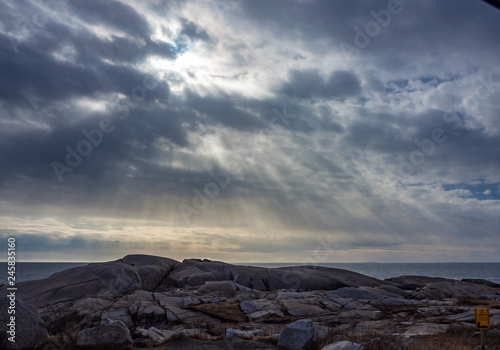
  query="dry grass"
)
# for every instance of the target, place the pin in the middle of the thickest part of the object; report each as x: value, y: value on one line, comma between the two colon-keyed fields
x: 471, y: 301
x: 63, y: 327
x: 456, y: 342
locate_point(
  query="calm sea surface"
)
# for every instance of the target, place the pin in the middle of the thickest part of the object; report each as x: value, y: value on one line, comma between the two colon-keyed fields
x: 458, y: 271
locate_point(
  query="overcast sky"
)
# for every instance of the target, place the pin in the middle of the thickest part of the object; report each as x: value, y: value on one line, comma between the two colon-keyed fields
x: 250, y: 130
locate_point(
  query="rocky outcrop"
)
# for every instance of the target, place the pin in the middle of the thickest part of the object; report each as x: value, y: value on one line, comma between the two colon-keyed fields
x: 194, y: 272
x: 106, y: 280
x: 436, y: 288
x: 151, y: 300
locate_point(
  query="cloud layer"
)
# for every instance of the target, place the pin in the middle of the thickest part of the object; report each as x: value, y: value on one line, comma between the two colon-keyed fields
x: 251, y: 130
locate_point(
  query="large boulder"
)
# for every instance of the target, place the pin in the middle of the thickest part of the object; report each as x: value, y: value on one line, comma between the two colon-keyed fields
x: 29, y: 330
x: 151, y: 269
x: 299, y: 277
x: 298, y: 335
x: 109, y: 335
x: 196, y: 272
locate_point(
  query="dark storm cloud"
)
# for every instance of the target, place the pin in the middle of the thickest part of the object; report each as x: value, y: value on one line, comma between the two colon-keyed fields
x: 309, y: 84
x: 38, y: 243
x: 112, y: 13
x: 29, y: 153
x: 121, y: 50
x: 423, y: 26
x: 33, y: 72
x: 464, y: 151
x: 33, y: 82
x: 193, y: 31
x: 222, y: 110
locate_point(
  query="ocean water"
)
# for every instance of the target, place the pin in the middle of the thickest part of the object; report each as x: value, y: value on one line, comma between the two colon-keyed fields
x: 27, y: 271
x: 488, y: 271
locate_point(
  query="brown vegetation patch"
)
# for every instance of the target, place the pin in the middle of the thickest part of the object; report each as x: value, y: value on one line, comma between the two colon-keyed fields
x: 458, y: 340
x: 455, y: 342
x: 469, y: 300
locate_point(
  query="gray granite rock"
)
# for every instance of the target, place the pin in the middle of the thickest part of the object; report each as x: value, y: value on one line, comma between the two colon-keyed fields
x: 343, y: 345
x: 257, y: 310
x: 151, y: 269
x: 153, y: 336
x: 455, y: 289
x: 304, y: 308
x: 111, y: 279
x: 298, y: 335
x: 231, y: 332
x: 426, y: 329
x: 108, y: 335
x: 228, y: 288
x: 27, y: 328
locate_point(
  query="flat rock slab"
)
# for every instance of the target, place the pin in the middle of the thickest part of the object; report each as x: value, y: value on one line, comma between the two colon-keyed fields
x: 261, y: 309
x: 426, y: 329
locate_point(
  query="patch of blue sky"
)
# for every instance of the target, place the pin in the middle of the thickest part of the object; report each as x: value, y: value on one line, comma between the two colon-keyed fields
x: 481, y: 191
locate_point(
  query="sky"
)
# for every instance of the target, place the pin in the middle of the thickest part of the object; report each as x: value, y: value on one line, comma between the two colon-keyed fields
x: 306, y: 131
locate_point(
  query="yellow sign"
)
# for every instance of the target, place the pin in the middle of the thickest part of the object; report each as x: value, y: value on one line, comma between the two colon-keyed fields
x: 482, y: 319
